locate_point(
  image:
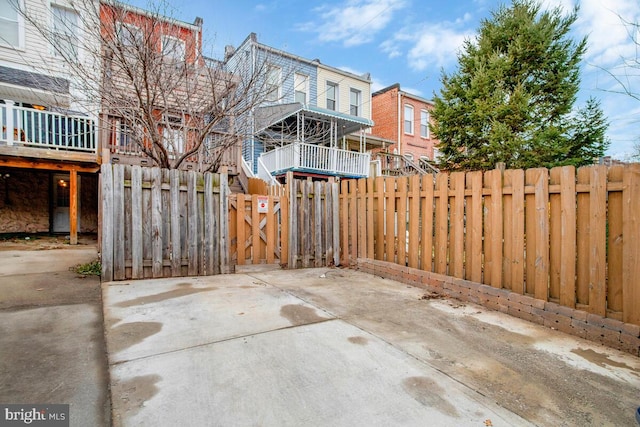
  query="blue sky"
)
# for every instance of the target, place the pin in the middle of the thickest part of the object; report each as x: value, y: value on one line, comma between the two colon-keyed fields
x: 411, y: 41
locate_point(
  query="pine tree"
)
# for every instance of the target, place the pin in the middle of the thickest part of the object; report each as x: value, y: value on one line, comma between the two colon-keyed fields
x: 512, y: 97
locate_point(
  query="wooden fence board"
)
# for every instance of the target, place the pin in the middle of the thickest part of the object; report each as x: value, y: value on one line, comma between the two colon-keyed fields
x: 379, y: 218
x: 271, y: 231
x: 568, y: 239
x: 507, y: 205
x: 118, y: 223
x: 192, y: 226
x: 583, y: 239
x: 530, y: 231
x: 353, y: 224
x: 426, y: 223
x: 541, y: 203
x: 209, y: 237
x: 223, y: 223
x: 176, y: 253
x: 336, y: 222
x: 598, y: 239
x: 442, y: 223
x: 615, y: 213
x: 318, y: 215
x: 517, y: 231
x: 137, y: 245
x: 495, y: 178
x: 390, y: 219
x: 106, y: 186
x: 362, y: 215
x: 370, y: 253
x: 414, y: 221
x: 401, y: 220
x: 256, y: 254
x: 457, y: 249
x: 631, y: 248
x: 156, y: 222
x: 474, y: 228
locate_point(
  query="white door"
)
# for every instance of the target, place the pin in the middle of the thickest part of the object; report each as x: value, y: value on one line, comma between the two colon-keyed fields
x: 61, y: 198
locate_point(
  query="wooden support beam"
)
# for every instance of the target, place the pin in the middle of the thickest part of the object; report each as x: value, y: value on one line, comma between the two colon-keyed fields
x: 47, y: 165
x: 73, y: 207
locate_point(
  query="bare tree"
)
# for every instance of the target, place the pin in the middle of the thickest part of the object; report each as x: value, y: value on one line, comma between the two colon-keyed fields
x: 158, y: 95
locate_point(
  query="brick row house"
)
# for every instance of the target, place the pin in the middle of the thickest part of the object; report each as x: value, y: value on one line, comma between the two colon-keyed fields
x: 403, y: 120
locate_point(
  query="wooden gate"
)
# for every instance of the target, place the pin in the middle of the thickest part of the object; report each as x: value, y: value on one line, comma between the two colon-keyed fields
x: 258, y: 229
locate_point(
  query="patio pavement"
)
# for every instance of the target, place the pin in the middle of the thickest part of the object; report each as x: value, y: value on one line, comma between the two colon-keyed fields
x: 344, y: 348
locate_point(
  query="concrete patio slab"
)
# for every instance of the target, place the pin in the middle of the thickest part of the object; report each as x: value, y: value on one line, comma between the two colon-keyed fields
x: 340, y: 347
x: 150, y: 317
x: 52, y: 348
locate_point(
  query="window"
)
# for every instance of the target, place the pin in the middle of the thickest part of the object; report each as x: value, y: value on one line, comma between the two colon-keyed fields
x: 272, y: 84
x: 408, y: 119
x: 11, y: 24
x: 301, y: 87
x: 424, y: 123
x: 128, y: 35
x: 173, y: 133
x: 332, y: 96
x: 65, y: 39
x: 436, y: 154
x: 354, y: 102
x: 173, y: 48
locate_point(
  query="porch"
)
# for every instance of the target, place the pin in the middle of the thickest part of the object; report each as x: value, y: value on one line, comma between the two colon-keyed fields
x: 308, y: 139
x: 301, y: 157
x: 47, y: 134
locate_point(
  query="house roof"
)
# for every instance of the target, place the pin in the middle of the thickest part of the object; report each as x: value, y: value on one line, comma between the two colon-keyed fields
x: 270, y: 115
x: 404, y: 93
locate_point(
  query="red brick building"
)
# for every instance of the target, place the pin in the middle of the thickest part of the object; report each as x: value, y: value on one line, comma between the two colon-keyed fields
x: 404, y: 118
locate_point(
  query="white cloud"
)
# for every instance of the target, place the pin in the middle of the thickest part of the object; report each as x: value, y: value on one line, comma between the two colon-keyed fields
x: 429, y: 45
x: 436, y: 46
x: 354, y: 23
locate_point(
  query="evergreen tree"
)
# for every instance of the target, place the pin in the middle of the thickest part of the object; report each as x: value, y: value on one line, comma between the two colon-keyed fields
x: 511, y: 99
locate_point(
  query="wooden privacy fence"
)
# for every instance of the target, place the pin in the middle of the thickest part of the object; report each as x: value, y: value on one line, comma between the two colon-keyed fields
x: 167, y: 223
x: 562, y: 235
x: 162, y: 223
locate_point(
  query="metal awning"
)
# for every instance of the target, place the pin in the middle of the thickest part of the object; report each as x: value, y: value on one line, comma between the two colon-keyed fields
x: 273, y: 114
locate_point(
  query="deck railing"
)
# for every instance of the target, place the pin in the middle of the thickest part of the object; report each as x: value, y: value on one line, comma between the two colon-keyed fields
x: 314, y: 158
x: 31, y: 127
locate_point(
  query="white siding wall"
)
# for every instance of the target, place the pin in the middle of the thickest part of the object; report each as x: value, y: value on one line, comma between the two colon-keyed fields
x: 345, y: 82
x: 37, y: 55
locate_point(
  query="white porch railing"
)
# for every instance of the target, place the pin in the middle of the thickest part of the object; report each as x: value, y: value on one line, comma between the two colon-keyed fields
x: 264, y: 174
x: 46, y: 129
x: 314, y: 158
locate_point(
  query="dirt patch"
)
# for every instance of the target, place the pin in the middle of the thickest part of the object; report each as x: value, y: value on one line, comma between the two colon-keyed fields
x: 128, y: 334
x: 300, y: 315
x: 429, y: 393
x: 131, y: 394
x: 601, y: 359
x: 358, y: 340
x: 13, y: 242
x: 184, y: 289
